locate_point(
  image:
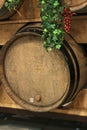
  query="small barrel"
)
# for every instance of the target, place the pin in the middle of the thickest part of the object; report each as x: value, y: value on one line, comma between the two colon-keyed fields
x: 4, y: 12
x: 76, y: 5
x: 39, y: 80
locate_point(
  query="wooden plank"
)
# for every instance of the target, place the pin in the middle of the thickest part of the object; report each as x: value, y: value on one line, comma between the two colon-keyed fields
x: 7, y: 31
x: 79, y: 29
x: 28, y: 10
x: 77, y: 108
x: 6, y: 101
x: 76, y: 4
x: 20, y: 21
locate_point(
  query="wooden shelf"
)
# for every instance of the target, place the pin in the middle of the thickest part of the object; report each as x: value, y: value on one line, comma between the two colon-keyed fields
x: 20, y: 21
x: 78, y: 29
x: 77, y: 108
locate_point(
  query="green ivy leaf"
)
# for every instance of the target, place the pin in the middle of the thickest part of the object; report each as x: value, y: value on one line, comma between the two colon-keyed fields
x: 58, y: 46
x: 10, y: 4
x: 51, y: 15
x: 6, y: 4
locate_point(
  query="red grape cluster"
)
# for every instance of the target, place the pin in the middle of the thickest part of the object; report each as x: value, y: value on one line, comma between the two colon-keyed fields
x: 67, y: 19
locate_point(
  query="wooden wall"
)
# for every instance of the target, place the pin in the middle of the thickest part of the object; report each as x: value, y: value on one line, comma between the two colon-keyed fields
x: 79, y: 29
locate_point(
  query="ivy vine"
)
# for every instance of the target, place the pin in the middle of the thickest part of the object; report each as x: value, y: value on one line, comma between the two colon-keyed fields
x: 52, y: 18
x: 52, y: 21
x: 11, y: 4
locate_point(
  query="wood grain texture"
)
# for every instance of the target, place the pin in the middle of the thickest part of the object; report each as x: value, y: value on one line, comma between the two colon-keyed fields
x: 1, y: 3
x: 6, y: 14
x: 6, y: 101
x: 28, y: 10
x: 79, y: 57
x: 79, y: 105
x: 33, y: 12
x: 7, y: 31
x: 75, y: 56
x: 8, y: 28
x: 36, y: 79
x: 38, y: 73
x: 77, y: 108
x: 76, y: 4
x: 79, y: 29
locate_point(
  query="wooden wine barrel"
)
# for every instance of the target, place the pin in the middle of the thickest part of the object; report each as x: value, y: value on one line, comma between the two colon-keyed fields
x: 4, y: 12
x: 70, y: 50
x: 76, y: 5
x: 39, y: 80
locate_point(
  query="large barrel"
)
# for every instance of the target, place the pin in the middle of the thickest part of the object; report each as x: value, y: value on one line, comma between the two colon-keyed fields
x: 39, y: 80
x: 76, y: 5
x: 4, y: 12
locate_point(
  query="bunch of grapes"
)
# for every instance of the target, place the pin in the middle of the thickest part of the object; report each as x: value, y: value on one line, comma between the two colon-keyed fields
x: 67, y: 19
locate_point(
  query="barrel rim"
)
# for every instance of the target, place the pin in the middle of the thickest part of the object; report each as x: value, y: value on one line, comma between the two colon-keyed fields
x: 6, y: 14
x: 9, y: 90
x: 69, y: 54
x: 70, y: 97
x: 2, y: 4
x: 78, y: 6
